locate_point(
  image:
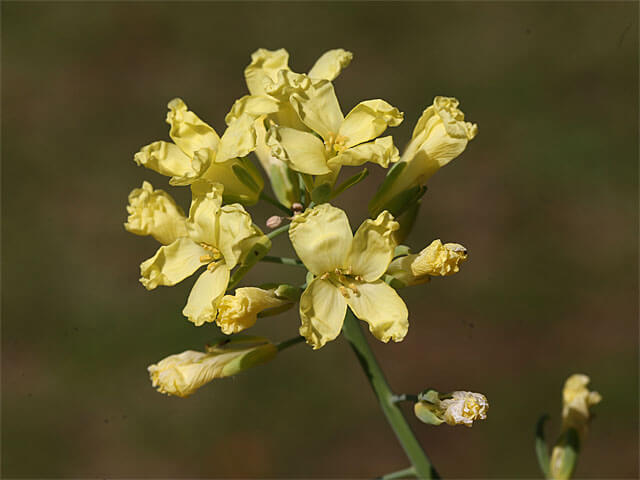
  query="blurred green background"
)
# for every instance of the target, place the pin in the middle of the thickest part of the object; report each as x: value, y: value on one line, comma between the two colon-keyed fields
x: 545, y: 199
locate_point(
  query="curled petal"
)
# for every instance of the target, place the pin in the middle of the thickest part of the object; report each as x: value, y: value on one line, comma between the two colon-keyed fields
x: 330, y: 64
x: 172, y: 263
x: 321, y: 236
x: 382, y: 308
x: 302, y: 151
x: 206, y: 200
x: 367, y: 120
x: 205, y: 296
x: 235, y: 228
x: 167, y: 159
x: 318, y: 108
x: 238, y: 140
x: 264, y: 67
x: 381, y: 151
x: 188, y: 131
x: 154, y: 212
x: 254, y: 105
x: 240, y: 311
x: 322, y: 310
x: 373, y: 246
x: 438, y: 259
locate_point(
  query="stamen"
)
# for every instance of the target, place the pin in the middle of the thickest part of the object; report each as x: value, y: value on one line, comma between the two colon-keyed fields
x: 206, y: 258
x: 344, y: 291
x: 212, y: 266
x: 353, y: 287
x: 324, y: 276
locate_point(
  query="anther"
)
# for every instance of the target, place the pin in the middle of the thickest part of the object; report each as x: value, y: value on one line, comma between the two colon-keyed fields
x: 324, y: 276
x: 344, y: 291
x: 211, y: 266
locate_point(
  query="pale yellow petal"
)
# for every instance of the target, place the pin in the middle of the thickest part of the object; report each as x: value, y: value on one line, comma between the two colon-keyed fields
x: 205, y: 296
x: 368, y: 120
x: 204, y: 214
x: 330, y: 64
x: 234, y: 189
x: 439, y: 260
x: 302, y: 151
x: 400, y: 269
x: 381, y: 151
x: 188, y: 131
x: 240, y: 311
x: 171, y: 264
x: 264, y: 67
x: 321, y: 236
x: 235, y: 226
x: 322, y: 310
x: 238, y: 140
x: 167, y: 159
x: 373, y: 247
x: 382, y: 308
x: 154, y: 212
x: 318, y: 108
x: 254, y: 105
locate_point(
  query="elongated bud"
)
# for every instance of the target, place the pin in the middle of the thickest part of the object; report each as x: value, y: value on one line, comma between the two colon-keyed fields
x: 182, y: 374
x: 240, y: 311
x: 457, y: 408
x: 154, y: 212
x: 437, y: 259
x: 440, y: 135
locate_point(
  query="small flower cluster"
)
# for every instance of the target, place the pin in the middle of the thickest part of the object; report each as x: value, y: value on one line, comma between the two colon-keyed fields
x: 294, y: 125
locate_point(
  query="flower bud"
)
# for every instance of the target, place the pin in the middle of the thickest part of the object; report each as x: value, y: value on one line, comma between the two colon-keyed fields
x: 182, y: 374
x: 240, y: 311
x: 154, y: 212
x: 440, y: 135
x: 457, y: 408
x: 435, y: 260
x: 274, y: 222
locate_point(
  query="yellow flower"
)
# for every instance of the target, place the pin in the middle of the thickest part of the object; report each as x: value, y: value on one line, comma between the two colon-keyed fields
x: 240, y: 311
x: 154, y: 212
x: 199, y: 153
x: 457, y: 408
x: 347, y: 271
x: 440, y: 135
x: 217, y: 238
x: 343, y: 140
x: 577, y: 401
x: 182, y: 374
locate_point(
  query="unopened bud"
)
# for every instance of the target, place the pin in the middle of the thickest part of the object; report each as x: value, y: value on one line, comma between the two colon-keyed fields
x: 457, y: 408
x: 297, y: 207
x: 274, y: 222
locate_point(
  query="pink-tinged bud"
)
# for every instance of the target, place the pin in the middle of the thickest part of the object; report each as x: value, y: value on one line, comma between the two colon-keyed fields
x: 297, y: 207
x: 274, y: 222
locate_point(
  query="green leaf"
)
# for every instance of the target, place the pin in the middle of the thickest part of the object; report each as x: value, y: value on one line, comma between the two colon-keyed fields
x: 542, y: 450
x: 245, y: 177
x: 350, y: 182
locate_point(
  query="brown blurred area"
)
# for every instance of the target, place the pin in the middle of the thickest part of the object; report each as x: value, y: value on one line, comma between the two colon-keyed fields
x: 545, y: 199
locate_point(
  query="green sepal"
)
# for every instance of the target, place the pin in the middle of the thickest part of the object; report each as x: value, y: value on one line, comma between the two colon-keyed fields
x: 243, y: 172
x: 542, y: 449
x: 407, y: 220
x: 566, y: 452
x: 401, y: 251
x: 258, y: 250
x: 376, y: 205
x: 321, y: 193
x: 275, y: 310
x: 284, y: 183
x: 350, y: 182
x: 427, y: 409
x: 393, y: 282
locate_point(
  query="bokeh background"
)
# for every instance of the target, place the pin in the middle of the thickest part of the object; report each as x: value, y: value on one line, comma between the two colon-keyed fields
x: 545, y: 199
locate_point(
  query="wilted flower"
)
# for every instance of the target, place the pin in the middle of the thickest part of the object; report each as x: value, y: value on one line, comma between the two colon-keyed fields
x: 240, y: 311
x: 457, y: 408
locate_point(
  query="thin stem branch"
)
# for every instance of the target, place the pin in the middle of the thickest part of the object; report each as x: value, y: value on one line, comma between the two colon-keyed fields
x: 284, y: 260
x: 289, y: 343
x: 407, y: 472
x: 404, y: 397
x: 417, y: 456
x: 275, y: 203
x: 278, y: 231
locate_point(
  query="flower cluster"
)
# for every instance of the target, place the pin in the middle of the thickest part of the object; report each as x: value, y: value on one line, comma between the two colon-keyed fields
x: 295, y: 127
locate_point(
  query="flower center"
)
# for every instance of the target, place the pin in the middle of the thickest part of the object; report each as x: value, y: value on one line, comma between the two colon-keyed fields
x: 212, y: 258
x: 344, y: 280
x: 335, y: 143
x: 473, y: 409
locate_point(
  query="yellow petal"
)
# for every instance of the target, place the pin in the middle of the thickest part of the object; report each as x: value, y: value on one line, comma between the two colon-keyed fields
x: 322, y: 310
x: 373, y: 247
x: 234, y: 189
x: 202, y: 224
x: 367, y: 120
x: 438, y: 259
x: 188, y: 131
x: 240, y: 311
x: 318, y: 108
x: 205, y: 296
x: 330, y: 64
x: 254, y: 105
x: 154, y: 212
x: 171, y: 263
x: 167, y: 159
x: 238, y: 140
x: 381, y: 151
x: 400, y: 268
x: 302, y: 151
x: 235, y: 226
x: 321, y: 236
x: 264, y: 67
x: 382, y: 308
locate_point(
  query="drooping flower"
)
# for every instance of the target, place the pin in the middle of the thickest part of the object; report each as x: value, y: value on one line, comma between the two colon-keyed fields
x: 154, y: 212
x: 198, y: 153
x: 184, y: 373
x: 435, y: 260
x: 240, y: 311
x: 456, y: 408
x: 347, y: 269
x: 440, y: 135
x: 217, y: 238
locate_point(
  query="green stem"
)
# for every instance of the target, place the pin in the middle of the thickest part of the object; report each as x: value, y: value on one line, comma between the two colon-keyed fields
x: 404, y: 397
x: 284, y: 260
x: 407, y: 472
x: 278, y: 231
x: 417, y: 456
x: 289, y: 343
x: 275, y: 203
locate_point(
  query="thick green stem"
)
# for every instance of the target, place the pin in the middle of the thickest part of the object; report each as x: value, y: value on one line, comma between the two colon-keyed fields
x: 407, y: 472
x: 278, y: 231
x: 275, y: 203
x: 289, y: 343
x: 353, y: 333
